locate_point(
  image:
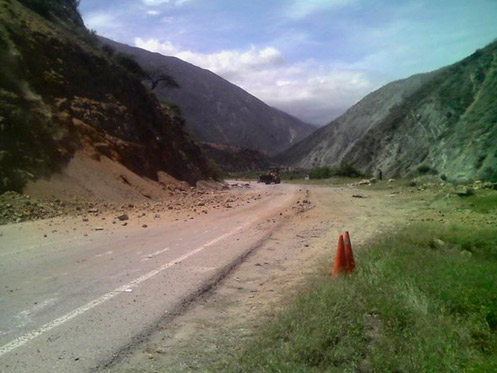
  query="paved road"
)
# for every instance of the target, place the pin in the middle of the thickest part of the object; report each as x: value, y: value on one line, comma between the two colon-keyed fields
x: 69, y: 304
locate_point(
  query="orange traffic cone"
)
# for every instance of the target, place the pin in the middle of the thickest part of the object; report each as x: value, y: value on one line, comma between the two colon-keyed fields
x: 340, y: 263
x: 349, y: 255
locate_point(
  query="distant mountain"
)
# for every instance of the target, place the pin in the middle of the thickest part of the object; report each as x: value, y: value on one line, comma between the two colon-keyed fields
x: 60, y: 93
x: 217, y: 111
x: 444, y: 123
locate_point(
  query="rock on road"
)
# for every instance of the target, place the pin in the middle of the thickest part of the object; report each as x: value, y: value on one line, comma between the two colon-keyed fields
x: 72, y: 303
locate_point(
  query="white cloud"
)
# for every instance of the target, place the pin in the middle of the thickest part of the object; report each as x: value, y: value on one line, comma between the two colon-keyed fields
x: 153, y: 12
x: 104, y: 22
x: 225, y: 62
x: 155, y: 2
x: 313, y: 92
x: 153, y: 45
x: 303, y: 8
x: 160, y: 2
x: 231, y: 63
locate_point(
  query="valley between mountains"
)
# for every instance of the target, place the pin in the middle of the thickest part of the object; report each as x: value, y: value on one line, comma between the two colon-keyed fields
x: 137, y: 234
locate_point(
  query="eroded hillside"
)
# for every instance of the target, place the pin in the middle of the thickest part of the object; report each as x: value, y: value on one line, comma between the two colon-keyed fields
x: 59, y: 93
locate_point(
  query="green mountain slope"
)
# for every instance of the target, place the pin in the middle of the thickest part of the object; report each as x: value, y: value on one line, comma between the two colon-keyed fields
x: 59, y: 93
x: 443, y: 122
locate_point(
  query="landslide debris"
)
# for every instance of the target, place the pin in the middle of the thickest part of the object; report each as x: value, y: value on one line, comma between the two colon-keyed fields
x: 16, y: 208
x: 182, y: 201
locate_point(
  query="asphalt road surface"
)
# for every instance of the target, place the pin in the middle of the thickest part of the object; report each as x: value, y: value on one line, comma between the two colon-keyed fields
x: 72, y: 304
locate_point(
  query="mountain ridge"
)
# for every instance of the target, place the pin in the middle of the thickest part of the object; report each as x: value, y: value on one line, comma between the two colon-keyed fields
x: 218, y: 111
x: 444, y: 123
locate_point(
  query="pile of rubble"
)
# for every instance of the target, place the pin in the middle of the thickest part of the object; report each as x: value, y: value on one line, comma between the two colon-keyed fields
x: 16, y: 208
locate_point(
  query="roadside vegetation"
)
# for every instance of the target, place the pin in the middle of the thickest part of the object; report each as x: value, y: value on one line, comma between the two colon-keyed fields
x: 423, y: 299
x: 344, y: 171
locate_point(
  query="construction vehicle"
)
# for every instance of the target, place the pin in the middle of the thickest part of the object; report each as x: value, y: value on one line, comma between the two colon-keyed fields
x: 272, y: 176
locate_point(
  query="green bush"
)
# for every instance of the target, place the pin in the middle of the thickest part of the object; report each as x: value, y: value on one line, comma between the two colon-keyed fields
x: 426, y: 170
x: 488, y: 174
x: 320, y: 173
x: 214, y: 170
x: 344, y: 170
x: 347, y: 170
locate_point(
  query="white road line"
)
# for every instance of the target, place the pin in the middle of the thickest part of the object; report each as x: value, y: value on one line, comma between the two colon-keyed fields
x: 20, y: 341
x: 107, y: 253
x: 150, y: 256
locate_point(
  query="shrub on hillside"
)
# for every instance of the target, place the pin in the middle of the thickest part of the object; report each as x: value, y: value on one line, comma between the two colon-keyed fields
x: 344, y: 170
x: 426, y: 170
x: 347, y: 170
x: 488, y: 174
x: 214, y: 169
x: 320, y: 173
x: 128, y: 62
x: 43, y: 7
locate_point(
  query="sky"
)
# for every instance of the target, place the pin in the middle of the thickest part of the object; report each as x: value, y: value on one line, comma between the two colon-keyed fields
x: 311, y: 58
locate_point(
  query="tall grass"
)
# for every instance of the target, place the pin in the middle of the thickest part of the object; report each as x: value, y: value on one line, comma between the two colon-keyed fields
x: 424, y: 300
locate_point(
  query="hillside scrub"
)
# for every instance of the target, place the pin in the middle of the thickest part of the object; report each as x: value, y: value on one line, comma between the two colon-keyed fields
x: 424, y: 300
x: 61, y: 93
x: 482, y: 204
x: 45, y: 7
x: 344, y: 170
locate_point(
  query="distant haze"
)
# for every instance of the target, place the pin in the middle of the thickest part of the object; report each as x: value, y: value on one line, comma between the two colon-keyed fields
x: 310, y: 58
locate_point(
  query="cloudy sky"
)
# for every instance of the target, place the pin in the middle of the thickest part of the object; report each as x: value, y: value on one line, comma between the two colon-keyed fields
x: 310, y: 58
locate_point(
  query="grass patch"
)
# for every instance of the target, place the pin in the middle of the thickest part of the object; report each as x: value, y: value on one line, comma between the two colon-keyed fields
x: 484, y: 204
x: 424, y: 300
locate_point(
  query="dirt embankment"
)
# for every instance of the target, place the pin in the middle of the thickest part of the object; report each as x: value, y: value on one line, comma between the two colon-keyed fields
x: 97, y: 187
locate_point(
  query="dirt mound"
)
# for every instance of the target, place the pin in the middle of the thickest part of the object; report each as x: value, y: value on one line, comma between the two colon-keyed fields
x: 87, y: 185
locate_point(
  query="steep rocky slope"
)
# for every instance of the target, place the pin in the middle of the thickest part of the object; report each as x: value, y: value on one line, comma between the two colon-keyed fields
x: 217, y: 111
x: 235, y: 159
x: 60, y: 93
x: 444, y: 123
